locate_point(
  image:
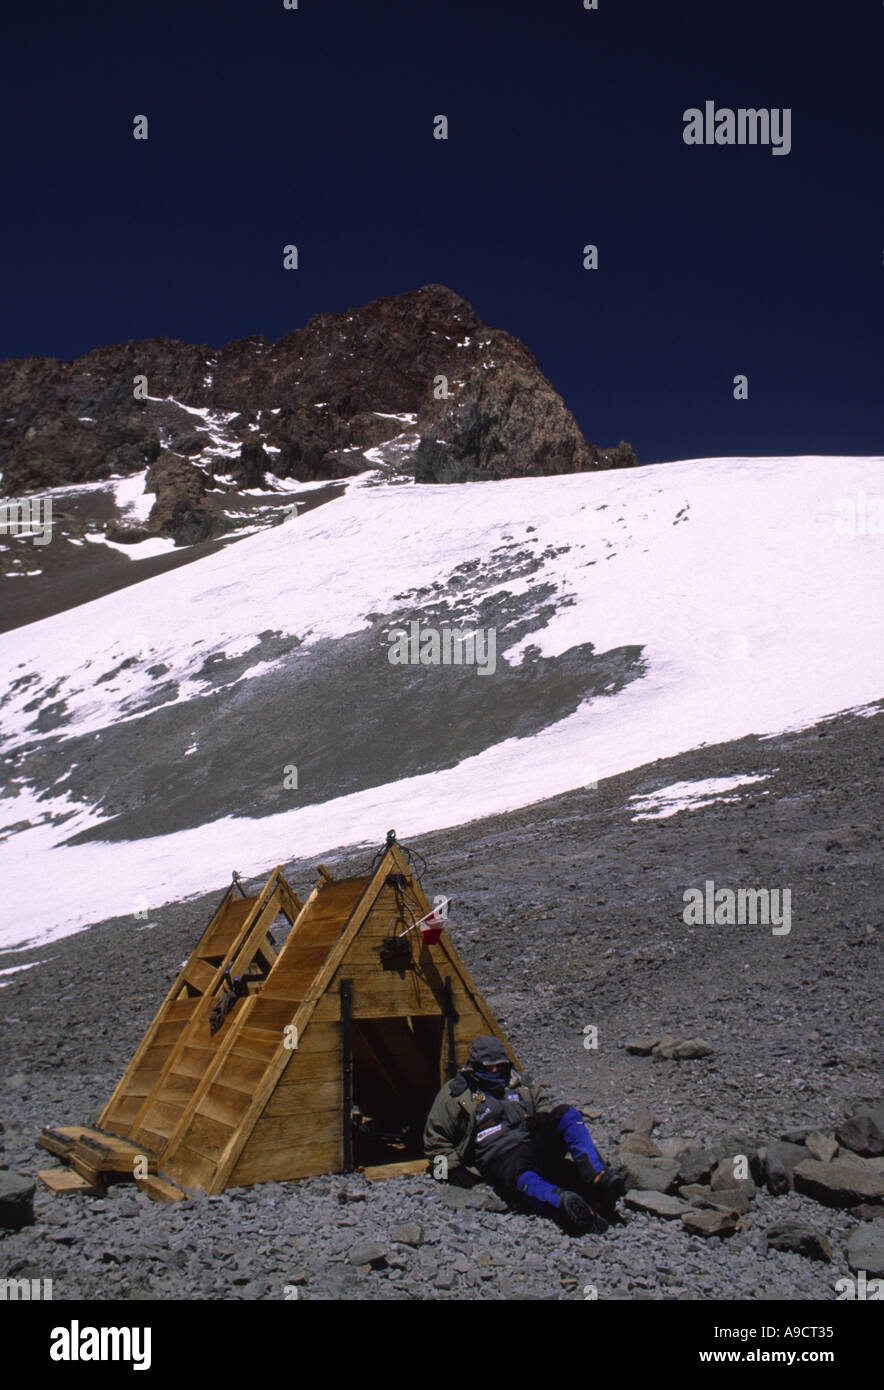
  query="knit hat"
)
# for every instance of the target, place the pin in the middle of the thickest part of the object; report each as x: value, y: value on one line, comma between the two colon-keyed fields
x: 488, y: 1052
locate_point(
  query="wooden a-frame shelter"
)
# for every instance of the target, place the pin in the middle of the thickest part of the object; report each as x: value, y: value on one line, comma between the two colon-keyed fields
x: 330, y: 1061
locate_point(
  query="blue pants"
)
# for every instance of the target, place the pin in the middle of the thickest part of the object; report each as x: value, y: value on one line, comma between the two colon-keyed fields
x: 532, y: 1169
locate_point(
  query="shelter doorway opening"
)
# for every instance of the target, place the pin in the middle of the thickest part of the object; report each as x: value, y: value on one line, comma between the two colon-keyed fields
x: 396, y: 1073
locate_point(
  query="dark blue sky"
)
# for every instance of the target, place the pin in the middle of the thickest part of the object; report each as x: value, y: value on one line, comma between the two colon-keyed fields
x: 315, y: 127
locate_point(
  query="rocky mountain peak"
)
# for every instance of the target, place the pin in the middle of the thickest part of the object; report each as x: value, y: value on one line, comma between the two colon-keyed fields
x: 414, y: 383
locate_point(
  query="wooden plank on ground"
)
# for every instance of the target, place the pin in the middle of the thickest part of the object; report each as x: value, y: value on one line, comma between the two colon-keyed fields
x: 410, y: 1168
x: 63, y: 1180
x: 161, y: 1190
x: 111, y: 1155
x: 86, y: 1170
x: 60, y: 1139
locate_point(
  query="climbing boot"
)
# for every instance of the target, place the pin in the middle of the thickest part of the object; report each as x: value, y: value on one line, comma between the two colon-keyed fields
x: 604, y: 1191
x: 577, y: 1218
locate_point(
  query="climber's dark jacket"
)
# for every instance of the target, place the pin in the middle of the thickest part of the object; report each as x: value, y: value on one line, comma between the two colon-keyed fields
x: 451, y: 1126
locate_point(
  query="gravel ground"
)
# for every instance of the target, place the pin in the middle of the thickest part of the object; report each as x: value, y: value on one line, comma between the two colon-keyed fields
x: 569, y: 915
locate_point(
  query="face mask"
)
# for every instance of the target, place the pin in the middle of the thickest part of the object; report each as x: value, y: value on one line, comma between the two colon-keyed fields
x: 493, y: 1082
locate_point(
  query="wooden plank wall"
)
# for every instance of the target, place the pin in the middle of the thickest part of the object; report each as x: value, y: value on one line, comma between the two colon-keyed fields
x: 252, y: 1142
x: 299, y: 1131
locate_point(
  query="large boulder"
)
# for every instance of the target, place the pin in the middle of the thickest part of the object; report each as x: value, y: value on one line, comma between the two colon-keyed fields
x: 181, y: 509
x: 672, y: 1147
x: 736, y: 1142
x: 840, y: 1184
x: 16, y: 1200
x: 698, y: 1164
x: 510, y: 425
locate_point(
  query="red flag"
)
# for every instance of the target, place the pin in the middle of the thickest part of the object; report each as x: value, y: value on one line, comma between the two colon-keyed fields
x: 435, y: 922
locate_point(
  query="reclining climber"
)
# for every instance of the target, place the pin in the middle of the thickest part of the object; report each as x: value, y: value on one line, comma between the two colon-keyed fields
x: 491, y: 1121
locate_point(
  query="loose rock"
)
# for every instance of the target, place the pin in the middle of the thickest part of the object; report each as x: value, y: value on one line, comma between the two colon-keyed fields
x: 639, y: 1122
x: 865, y: 1248
x: 735, y: 1199
x: 648, y: 1174
x: 670, y: 1208
x: 866, y: 1212
x: 709, y: 1223
x: 409, y: 1234
x: 16, y: 1201
x: 640, y: 1144
x: 798, y: 1240
x: 725, y: 1175
x: 862, y: 1135
x: 672, y: 1148
x: 368, y: 1252
x: 696, y: 1166
x: 839, y: 1184
x: 821, y: 1147
x: 779, y: 1165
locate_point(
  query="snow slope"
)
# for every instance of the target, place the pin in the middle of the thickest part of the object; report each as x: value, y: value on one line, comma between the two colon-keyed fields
x: 756, y: 607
